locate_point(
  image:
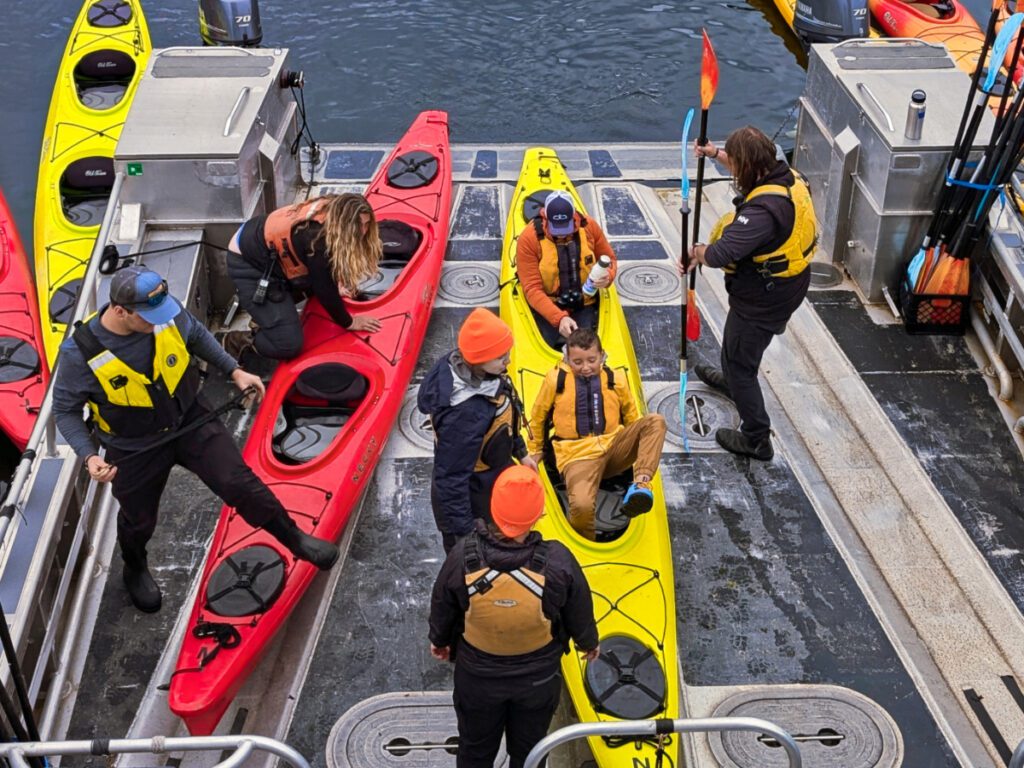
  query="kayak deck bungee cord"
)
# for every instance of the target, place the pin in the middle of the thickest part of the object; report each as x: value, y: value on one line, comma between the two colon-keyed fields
x: 631, y: 571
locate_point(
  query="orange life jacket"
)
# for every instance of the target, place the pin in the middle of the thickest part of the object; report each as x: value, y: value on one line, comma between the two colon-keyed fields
x: 551, y: 258
x: 277, y: 232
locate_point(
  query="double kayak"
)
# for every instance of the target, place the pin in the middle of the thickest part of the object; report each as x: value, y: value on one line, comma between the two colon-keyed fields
x: 320, y: 430
x: 23, y: 369
x: 98, y: 76
x: 629, y: 568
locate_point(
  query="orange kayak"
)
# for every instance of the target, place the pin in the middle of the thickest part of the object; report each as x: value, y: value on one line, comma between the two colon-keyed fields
x: 938, y: 21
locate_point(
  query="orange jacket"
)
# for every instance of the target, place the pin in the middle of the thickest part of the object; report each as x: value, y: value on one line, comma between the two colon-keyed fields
x: 528, y: 266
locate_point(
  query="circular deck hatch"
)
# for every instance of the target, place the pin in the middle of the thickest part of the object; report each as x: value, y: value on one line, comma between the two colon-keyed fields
x: 533, y: 203
x: 18, y: 359
x: 412, y: 170
x: 626, y: 680
x: 247, y: 582
x: 110, y: 13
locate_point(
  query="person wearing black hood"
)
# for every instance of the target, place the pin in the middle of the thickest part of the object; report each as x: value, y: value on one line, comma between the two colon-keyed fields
x: 764, y: 249
x: 477, y: 419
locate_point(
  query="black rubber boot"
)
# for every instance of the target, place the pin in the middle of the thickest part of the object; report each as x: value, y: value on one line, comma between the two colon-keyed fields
x: 736, y: 442
x: 320, y: 552
x: 713, y: 378
x: 142, y: 588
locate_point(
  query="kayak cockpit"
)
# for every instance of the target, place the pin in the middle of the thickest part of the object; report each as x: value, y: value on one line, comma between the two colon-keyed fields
x: 102, y: 78
x: 320, y: 402
x: 85, y: 189
x: 400, y: 243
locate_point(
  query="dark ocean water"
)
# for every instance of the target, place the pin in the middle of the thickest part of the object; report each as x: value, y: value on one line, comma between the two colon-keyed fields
x: 545, y: 72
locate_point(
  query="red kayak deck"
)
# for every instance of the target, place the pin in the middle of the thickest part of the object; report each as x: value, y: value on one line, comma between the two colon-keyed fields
x: 317, y: 455
x: 23, y: 371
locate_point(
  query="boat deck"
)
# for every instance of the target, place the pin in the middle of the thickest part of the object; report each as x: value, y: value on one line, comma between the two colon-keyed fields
x: 863, y: 589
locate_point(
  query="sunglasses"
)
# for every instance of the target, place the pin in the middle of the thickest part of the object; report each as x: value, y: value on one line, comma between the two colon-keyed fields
x: 155, y: 298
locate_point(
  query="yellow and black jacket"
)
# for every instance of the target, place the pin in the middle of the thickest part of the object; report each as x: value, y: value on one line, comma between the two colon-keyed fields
x: 583, y: 414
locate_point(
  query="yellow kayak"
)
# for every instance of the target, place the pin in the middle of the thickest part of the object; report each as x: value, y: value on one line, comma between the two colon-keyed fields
x: 631, y: 572
x: 103, y: 62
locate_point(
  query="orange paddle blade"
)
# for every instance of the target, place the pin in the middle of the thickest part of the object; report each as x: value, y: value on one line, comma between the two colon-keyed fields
x: 692, y: 317
x: 708, y: 73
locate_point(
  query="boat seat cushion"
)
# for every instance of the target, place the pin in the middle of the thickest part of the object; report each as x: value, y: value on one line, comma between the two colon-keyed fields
x: 333, y: 382
x: 104, y: 66
x: 88, y: 177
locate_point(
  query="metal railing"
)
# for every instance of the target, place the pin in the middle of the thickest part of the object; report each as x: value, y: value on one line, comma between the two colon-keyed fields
x: 659, y: 727
x: 243, y: 747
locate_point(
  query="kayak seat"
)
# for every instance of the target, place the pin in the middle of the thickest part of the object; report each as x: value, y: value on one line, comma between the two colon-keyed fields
x: 399, y: 242
x: 102, y: 78
x: 322, y: 401
x: 609, y: 522
x: 85, y: 188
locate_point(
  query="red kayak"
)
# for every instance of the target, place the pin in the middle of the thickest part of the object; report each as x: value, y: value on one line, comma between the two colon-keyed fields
x: 23, y: 372
x: 318, y: 434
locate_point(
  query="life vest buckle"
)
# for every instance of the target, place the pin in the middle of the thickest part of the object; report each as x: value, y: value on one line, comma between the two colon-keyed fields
x: 119, y: 382
x: 482, y: 585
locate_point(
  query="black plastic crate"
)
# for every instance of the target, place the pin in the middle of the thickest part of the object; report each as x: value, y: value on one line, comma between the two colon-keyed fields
x: 929, y: 314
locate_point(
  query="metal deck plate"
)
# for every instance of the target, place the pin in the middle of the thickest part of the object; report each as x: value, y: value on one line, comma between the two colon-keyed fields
x: 412, y: 730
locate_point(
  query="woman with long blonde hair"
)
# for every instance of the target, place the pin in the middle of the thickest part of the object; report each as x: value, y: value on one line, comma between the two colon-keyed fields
x: 324, y: 248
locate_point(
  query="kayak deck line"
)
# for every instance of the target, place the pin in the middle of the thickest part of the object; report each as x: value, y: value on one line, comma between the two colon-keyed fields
x: 393, y: 551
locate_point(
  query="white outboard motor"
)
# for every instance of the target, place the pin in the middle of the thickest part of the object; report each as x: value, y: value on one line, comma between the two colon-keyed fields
x: 830, y: 21
x: 230, y: 22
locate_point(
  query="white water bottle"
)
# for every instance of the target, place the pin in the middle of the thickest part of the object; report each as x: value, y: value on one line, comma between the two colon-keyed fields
x: 598, y: 271
x: 915, y: 115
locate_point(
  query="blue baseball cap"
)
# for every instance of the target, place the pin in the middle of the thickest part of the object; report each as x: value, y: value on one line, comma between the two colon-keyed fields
x: 560, y: 212
x: 144, y: 292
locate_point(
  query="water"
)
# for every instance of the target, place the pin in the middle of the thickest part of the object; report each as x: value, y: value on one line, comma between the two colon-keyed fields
x: 528, y: 71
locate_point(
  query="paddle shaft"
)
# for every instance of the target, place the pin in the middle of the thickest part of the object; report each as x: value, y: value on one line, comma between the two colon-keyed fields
x: 701, y: 140
x: 684, y: 258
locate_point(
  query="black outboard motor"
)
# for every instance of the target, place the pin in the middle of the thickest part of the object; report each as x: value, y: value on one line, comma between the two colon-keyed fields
x: 829, y: 21
x: 230, y: 22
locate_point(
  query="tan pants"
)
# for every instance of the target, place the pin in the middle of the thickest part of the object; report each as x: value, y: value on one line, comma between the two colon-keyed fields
x: 637, y: 446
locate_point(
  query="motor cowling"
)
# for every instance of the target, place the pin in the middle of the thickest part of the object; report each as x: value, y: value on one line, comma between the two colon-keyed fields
x: 830, y: 21
x: 230, y: 22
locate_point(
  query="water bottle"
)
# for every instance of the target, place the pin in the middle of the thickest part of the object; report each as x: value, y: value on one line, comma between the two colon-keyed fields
x: 598, y: 271
x: 915, y: 115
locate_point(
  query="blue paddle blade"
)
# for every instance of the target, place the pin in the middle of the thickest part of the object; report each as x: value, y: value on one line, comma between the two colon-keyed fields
x: 682, y: 409
x: 914, y: 268
x: 686, y: 154
x: 999, y: 48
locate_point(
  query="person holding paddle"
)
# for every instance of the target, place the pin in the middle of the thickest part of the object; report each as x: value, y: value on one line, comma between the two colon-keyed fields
x: 133, y: 364
x: 555, y: 256
x: 764, y: 248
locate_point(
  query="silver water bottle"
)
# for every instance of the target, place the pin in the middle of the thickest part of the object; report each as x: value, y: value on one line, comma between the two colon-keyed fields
x: 915, y: 115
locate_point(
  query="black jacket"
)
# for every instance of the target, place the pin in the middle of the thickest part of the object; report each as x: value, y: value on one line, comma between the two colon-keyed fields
x: 459, y: 494
x: 766, y: 224
x: 566, y: 602
x: 310, y: 248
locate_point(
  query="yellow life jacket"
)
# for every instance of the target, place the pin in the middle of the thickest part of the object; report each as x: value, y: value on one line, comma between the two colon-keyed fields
x: 551, y: 270
x: 603, y: 416
x: 135, y: 405
x: 277, y: 232
x: 506, y: 614
x: 794, y: 255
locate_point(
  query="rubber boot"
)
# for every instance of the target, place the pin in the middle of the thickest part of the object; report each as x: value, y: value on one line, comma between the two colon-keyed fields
x: 320, y: 552
x: 142, y: 588
x: 714, y: 378
x: 736, y: 442
x: 637, y: 500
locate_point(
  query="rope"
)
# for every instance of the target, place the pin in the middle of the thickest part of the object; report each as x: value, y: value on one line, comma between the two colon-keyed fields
x: 785, y: 120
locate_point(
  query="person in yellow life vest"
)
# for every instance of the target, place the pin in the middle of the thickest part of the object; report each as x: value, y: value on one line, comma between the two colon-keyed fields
x: 764, y: 248
x: 504, y: 608
x: 324, y: 248
x: 133, y: 365
x: 596, y: 431
x: 555, y: 255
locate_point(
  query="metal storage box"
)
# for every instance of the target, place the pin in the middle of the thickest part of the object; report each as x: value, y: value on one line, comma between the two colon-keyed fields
x: 874, y: 190
x: 211, y: 125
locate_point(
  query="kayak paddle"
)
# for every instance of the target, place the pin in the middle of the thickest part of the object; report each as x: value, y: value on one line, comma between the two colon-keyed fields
x: 684, y: 259
x: 708, y: 86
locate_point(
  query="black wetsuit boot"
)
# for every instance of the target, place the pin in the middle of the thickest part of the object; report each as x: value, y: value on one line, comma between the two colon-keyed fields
x: 320, y: 552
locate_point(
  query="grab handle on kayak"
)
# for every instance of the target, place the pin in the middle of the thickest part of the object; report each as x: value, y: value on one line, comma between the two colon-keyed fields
x: 874, y: 100
x: 243, y: 97
x: 864, y: 42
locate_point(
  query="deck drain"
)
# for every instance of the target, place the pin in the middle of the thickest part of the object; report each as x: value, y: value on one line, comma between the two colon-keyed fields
x: 648, y: 283
x: 825, y: 275
x: 713, y: 412
x: 412, y: 730
x: 471, y: 285
x: 414, y: 425
x: 833, y: 726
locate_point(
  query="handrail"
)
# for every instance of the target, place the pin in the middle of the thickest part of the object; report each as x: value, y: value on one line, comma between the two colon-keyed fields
x: 664, y: 726
x: 1017, y: 758
x: 42, y: 425
x: 243, y: 745
x: 243, y: 98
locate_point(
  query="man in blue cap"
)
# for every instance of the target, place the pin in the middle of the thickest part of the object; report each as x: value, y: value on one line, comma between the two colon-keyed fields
x: 132, y: 365
x: 556, y: 255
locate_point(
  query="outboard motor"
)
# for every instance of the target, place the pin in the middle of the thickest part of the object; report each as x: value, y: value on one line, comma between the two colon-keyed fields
x: 830, y: 21
x: 230, y: 22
